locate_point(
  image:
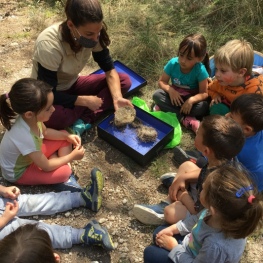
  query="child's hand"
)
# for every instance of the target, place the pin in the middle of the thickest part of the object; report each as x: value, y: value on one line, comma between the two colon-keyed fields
x: 166, y: 242
x: 167, y: 231
x: 11, y: 192
x: 186, y: 107
x: 74, y: 139
x: 11, y: 210
x: 217, y: 99
x: 178, y: 184
x: 175, y: 97
x: 78, y: 152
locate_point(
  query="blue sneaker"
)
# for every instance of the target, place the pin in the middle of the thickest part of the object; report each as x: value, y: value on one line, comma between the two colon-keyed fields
x: 78, y: 127
x: 95, y: 234
x: 71, y: 185
x: 150, y: 214
x: 167, y: 179
x: 91, y: 194
x: 181, y: 156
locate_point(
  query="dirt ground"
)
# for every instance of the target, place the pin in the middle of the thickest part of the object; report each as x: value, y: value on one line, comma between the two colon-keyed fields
x: 127, y: 183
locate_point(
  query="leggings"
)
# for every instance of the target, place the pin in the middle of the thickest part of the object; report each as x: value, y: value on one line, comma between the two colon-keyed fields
x: 35, y: 176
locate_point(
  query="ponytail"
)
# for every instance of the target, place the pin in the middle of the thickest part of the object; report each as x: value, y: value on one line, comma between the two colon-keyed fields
x: 6, y: 112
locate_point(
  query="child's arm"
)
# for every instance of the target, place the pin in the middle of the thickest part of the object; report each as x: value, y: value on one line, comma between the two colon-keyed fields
x: 184, y: 174
x: 175, y: 97
x: 187, y: 201
x: 10, y: 212
x: 202, y: 95
x: 52, y: 134
x: 51, y: 164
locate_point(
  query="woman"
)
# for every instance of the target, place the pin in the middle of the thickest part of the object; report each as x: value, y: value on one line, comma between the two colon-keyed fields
x: 62, y: 50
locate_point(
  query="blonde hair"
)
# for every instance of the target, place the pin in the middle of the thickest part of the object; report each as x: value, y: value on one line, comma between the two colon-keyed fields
x: 236, y: 54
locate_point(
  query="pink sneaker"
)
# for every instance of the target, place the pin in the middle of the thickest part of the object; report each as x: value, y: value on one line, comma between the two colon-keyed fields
x: 156, y: 108
x: 191, y: 123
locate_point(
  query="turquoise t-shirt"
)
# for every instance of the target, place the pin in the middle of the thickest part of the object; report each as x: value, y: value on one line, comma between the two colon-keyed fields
x: 191, y: 79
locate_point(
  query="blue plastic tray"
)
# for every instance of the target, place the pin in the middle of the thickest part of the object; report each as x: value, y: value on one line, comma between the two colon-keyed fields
x: 126, y: 139
x: 137, y: 80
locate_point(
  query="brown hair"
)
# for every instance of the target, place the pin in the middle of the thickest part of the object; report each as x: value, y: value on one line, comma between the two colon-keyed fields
x: 27, y: 244
x: 81, y: 12
x: 223, y: 135
x: 236, y: 54
x: 26, y: 94
x: 197, y: 43
x: 227, y: 190
x: 250, y: 109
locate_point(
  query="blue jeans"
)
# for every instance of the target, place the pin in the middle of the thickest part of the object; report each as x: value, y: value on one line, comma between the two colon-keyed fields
x: 156, y: 254
x: 41, y: 204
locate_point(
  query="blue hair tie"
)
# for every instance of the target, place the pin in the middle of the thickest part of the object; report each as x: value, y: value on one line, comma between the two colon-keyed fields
x: 242, y: 190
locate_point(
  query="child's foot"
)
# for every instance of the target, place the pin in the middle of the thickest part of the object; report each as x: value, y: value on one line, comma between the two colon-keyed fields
x: 150, y: 214
x: 167, y: 179
x: 91, y: 194
x: 95, y: 234
x: 156, y: 108
x: 78, y: 127
x: 191, y: 123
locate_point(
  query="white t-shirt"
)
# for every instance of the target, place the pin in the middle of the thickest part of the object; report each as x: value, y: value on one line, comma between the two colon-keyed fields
x: 16, y: 144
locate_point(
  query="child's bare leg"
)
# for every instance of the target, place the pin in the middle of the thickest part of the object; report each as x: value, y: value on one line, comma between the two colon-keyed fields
x: 175, y: 212
x: 187, y: 201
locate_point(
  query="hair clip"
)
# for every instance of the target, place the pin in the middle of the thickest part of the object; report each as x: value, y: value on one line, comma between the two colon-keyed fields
x: 242, y: 190
x: 251, y: 198
x: 6, y: 95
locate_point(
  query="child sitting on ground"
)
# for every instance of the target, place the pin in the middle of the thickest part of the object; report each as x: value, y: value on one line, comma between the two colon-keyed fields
x: 233, y: 76
x: 28, y: 243
x: 13, y: 206
x: 218, y: 138
x: 30, y: 153
x: 186, y: 95
x: 233, y: 210
x: 247, y: 110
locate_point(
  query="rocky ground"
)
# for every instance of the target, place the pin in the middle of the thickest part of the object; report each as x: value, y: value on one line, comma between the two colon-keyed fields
x: 127, y: 183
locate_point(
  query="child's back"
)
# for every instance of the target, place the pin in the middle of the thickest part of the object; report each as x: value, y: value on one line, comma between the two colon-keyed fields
x: 247, y: 110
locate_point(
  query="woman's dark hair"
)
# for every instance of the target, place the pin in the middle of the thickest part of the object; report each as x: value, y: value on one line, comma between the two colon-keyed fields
x: 197, y: 43
x: 231, y: 193
x: 25, y: 95
x: 250, y: 109
x: 223, y: 135
x: 27, y: 244
x: 81, y: 12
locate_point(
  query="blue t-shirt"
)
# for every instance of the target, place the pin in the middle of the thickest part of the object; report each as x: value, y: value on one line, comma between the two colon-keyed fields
x: 251, y: 156
x: 191, y: 79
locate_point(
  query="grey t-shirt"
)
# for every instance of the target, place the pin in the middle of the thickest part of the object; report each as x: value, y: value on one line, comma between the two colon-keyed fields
x: 205, y: 244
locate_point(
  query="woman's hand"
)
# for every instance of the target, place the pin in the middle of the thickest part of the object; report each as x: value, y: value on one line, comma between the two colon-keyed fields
x: 121, y: 102
x: 175, y: 97
x: 91, y: 102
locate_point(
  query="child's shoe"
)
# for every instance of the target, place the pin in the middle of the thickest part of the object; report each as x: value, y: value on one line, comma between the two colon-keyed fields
x: 95, y: 234
x: 91, y: 194
x: 71, y: 185
x: 78, y: 127
x: 191, y: 123
x: 156, y: 108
